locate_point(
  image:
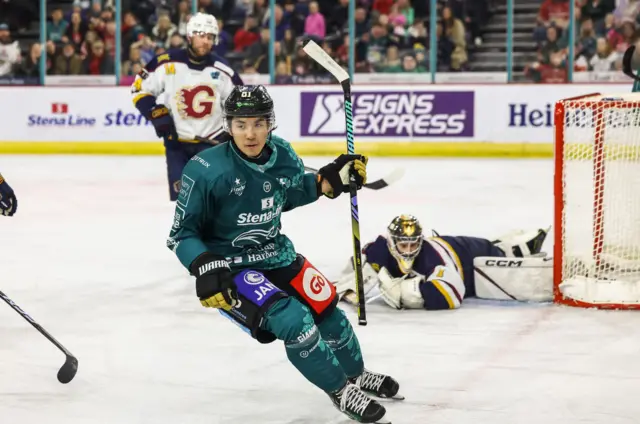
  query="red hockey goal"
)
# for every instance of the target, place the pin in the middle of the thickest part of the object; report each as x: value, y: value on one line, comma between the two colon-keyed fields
x: 597, y: 201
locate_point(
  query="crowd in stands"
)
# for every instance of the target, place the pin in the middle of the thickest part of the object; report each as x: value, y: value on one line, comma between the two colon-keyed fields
x: 391, y: 35
x: 604, y: 30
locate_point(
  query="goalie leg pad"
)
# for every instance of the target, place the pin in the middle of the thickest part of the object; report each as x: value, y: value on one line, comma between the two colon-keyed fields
x: 524, y: 279
x: 522, y: 244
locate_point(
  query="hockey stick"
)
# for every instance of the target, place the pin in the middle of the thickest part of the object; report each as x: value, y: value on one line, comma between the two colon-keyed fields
x: 320, y: 56
x: 70, y: 366
x: 377, y: 184
x: 626, y: 63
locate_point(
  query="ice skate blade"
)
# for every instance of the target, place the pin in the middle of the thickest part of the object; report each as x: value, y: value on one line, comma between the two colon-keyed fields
x: 385, y: 399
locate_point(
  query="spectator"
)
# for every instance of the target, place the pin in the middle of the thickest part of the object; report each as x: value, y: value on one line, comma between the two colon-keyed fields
x: 404, y: 7
x: 98, y: 62
x: 177, y: 42
x: 339, y: 17
x: 392, y: 63
x: 134, y: 58
x: 551, y: 46
x: 552, y: 12
x: 605, y: 58
x: 454, y: 30
x: 57, y: 27
x: 627, y: 9
x: 289, y: 42
x: 75, y: 31
x: 260, y: 10
x: 109, y: 38
x: 383, y: 7
x: 247, y: 35
x: 586, y: 44
x: 609, y: 25
x: 301, y: 65
x: 29, y: 67
x: 281, y: 24
x: 596, y: 10
x: 52, y: 54
x: 68, y: 63
x: 362, y: 22
x: 398, y: 23
x: 283, y: 74
x: 417, y: 33
x: 294, y: 16
x: 147, y: 49
x: 620, y: 39
x: 445, y: 49
x: 314, y: 24
x: 410, y: 64
x: 163, y: 30
x: 9, y: 51
x: 224, y: 39
x: 258, y: 51
x: 132, y: 31
x: 181, y: 16
x: 378, y: 44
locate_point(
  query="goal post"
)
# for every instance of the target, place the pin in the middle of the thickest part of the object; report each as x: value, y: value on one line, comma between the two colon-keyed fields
x: 597, y: 201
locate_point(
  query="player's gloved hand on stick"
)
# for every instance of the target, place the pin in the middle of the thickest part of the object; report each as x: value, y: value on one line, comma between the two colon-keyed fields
x: 8, y: 200
x: 214, y: 282
x: 336, y: 174
x: 163, y: 123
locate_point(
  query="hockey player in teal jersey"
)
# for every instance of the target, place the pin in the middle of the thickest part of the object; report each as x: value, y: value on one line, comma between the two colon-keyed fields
x: 227, y: 233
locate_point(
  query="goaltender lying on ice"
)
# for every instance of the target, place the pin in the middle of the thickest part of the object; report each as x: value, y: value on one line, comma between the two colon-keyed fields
x: 411, y: 271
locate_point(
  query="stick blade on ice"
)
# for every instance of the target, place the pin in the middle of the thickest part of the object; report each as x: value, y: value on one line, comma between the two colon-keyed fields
x: 327, y: 62
x: 68, y: 370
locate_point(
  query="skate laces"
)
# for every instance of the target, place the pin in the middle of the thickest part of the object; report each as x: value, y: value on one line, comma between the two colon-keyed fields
x: 353, y: 400
x: 370, y: 380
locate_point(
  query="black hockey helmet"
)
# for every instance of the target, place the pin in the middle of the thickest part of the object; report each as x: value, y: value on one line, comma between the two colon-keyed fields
x: 249, y: 101
x: 405, y: 239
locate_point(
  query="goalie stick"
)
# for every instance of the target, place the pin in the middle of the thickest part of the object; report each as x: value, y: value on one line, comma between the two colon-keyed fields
x: 392, y: 178
x: 70, y: 366
x: 320, y: 56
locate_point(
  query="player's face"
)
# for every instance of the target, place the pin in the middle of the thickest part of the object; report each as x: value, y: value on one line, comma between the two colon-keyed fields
x: 407, y: 247
x: 202, y: 43
x: 250, y: 135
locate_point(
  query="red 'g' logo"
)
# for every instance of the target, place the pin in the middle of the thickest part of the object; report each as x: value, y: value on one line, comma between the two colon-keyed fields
x: 196, y: 102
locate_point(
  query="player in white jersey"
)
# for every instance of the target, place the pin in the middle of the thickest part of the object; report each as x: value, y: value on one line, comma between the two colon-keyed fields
x: 411, y: 271
x: 182, y: 93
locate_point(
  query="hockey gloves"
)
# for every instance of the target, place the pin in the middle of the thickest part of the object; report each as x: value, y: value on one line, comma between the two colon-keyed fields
x: 214, y: 283
x: 163, y: 124
x: 8, y: 201
x: 337, y: 173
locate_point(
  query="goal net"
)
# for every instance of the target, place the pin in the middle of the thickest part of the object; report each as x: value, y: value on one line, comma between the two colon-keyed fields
x: 597, y: 201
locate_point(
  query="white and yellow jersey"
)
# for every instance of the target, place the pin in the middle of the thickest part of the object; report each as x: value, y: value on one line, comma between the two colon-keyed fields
x: 194, y: 92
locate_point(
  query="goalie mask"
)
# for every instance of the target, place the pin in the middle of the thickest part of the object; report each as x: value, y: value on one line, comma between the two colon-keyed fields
x: 405, y: 240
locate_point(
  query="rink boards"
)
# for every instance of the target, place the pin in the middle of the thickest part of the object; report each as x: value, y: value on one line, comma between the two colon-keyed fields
x: 491, y: 120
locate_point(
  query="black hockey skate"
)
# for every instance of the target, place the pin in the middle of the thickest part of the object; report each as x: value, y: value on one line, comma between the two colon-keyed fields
x: 352, y: 402
x: 379, y: 385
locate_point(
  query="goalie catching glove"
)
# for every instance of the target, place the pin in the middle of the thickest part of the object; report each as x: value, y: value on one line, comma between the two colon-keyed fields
x: 214, y: 282
x: 337, y: 174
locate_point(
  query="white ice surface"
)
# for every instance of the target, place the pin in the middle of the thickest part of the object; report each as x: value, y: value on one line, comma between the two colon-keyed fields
x: 85, y: 257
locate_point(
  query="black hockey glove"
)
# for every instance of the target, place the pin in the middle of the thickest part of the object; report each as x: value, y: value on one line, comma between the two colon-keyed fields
x: 214, y: 282
x: 163, y: 124
x: 337, y: 173
x: 8, y: 200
